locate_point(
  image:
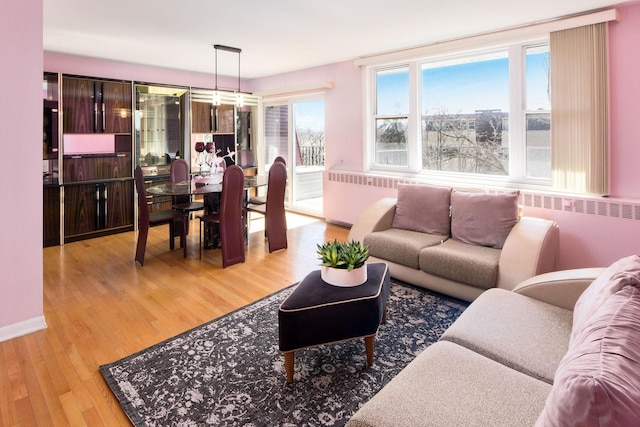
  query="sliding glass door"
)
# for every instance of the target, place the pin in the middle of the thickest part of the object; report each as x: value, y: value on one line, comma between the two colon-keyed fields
x: 295, y: 131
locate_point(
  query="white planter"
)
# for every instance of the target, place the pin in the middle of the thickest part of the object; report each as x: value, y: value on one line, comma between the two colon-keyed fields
x: 343, y: 277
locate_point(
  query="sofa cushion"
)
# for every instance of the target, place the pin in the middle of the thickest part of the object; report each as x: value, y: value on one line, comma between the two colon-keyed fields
x: 598, y: 381
x: 400, y: 246
x: 448, y: 385
x: 473, y: 265
x: 483, y: 219
x: 624, y: 272
x: 423, y: 208
x: 517, y: 331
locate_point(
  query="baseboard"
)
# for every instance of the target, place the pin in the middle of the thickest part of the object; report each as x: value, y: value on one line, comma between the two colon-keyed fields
x: 22, y: 328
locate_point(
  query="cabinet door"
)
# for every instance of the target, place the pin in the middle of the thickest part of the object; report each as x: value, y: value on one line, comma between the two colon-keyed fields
x: 79, y: 105
x: 51, y: 216
x: 225, y: 117
x: 118, y: 197
x: 201, y: 117
x: 116, y: 107
x: 80, y: 209
x: 89, y: 168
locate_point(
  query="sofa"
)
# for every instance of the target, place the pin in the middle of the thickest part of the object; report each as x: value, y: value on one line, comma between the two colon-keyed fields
x: 458, y: 243
x: 560, y: 349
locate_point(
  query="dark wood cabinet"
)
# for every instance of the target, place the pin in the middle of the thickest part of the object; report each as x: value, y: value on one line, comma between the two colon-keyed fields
x: 209, y: 118
x: 96, y: 167
x: 51, y: 216
x: 97, y: 208
x: 96, y: 106
x: 98, y: 195
x: 201, y: 117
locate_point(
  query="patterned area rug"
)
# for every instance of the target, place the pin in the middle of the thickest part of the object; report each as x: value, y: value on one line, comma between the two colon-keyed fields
x: 230, y: 372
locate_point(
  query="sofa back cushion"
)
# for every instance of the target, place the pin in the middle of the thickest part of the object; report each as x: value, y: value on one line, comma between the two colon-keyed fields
x: 598, y: 381
x: 423, y: 208
x: 624, y: 272
x: 483, y: 219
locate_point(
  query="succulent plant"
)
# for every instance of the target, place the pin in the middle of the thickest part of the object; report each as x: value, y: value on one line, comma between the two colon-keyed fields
x: 344, y: 255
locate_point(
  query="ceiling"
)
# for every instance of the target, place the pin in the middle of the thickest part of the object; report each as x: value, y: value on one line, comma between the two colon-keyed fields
x: 276, y: 36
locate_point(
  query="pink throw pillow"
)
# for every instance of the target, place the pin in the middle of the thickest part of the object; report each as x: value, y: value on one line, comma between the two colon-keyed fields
x: 483, y: 219
x: 624, y: 272
x: 423, y: 208
x: 598, y: 380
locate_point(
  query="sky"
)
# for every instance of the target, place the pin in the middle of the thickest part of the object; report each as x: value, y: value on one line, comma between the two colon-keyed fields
x: 464, y: 87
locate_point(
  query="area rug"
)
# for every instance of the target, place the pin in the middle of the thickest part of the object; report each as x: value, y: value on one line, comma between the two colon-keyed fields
x: 230, y: 372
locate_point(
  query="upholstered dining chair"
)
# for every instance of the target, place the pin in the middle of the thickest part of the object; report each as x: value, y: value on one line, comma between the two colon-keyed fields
x: 148, y: 219
x: 229, y: 217
x: 179, y: 172
x: 261, y: 200
x: 275, y: 220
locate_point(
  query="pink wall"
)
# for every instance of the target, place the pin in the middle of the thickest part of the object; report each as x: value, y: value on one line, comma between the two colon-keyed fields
x: 624, y: 37
x: 20, y: 175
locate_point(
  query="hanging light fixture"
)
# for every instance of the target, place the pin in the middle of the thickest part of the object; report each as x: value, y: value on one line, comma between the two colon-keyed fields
x: 216, y: 93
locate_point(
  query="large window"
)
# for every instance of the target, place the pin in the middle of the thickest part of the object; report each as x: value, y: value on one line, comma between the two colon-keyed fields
x: 486, y: 113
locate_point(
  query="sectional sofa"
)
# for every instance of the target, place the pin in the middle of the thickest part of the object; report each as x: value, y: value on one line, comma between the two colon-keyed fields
x: 561, y: 349
x: 459, y: 243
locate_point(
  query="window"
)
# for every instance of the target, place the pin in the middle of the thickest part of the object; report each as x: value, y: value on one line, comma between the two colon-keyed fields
x: 392, y: 116
x: 538, y: 113
x: 464, y: 105
x: 486, y: 113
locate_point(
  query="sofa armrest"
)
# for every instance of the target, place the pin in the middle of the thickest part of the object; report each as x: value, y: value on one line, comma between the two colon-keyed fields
x: 530, y: 249
x: 559, y: 288
x: 377, y: 217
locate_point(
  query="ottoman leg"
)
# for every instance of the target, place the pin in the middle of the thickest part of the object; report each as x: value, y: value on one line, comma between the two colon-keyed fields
x: 289, y: 362
x: 368, y: 345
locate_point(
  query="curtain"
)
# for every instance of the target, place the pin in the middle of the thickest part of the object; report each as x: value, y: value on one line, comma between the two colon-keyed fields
x: 579, y: 113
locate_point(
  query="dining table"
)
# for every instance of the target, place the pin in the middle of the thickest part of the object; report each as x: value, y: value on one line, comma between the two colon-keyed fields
x: 210, y: 187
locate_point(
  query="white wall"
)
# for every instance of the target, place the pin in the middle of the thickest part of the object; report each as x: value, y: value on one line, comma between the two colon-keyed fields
x: 21, y: 309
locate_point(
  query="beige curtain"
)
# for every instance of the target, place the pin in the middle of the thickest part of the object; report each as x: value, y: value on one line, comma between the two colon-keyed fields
x: 579, y: 113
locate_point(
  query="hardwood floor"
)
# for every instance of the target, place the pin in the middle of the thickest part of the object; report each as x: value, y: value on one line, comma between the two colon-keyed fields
x: 101, y: 306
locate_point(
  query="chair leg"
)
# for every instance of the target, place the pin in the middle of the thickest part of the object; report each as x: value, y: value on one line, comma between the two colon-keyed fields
x: 142, y: 245
x: 183, y: 238
x: 172, y: 244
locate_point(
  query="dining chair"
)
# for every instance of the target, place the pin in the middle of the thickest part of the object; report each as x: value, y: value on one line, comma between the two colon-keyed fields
x: 275, y: 220
x: 148, y: 219
x: 229, y: 217
x: 179, y: 172
x: 261, y: 200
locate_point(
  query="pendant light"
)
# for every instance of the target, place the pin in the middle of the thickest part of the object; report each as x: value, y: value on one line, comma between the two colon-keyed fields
x: 216, y: 93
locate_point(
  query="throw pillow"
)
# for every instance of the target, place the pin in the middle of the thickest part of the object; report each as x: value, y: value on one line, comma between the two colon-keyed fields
x: 423, y: 208
x: 598, y: 381
x: 624, y: 272
x: 483, y: 219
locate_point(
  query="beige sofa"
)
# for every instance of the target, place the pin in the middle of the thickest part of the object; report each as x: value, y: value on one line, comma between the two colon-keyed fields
x: 446, y: 265
x: 523, y: 357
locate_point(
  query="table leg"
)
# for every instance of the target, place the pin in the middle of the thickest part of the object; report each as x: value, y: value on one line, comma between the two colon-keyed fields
x: 289, y: 363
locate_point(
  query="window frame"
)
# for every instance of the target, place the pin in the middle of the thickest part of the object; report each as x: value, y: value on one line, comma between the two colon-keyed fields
x: 516, y: 53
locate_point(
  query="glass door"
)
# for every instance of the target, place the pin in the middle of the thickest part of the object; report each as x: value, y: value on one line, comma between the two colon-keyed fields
x: 295, y: 131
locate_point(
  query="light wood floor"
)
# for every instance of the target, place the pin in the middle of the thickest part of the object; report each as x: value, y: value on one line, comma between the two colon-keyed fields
x: 101, y: 306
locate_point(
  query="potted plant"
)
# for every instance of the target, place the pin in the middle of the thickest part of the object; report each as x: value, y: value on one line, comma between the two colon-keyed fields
x: 343, y: 263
